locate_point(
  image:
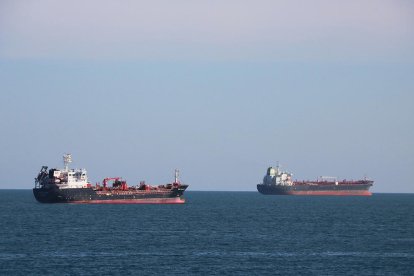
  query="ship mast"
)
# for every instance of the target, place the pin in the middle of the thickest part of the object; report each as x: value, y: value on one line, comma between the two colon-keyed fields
x: 67, y: 158
x: 176, y: 175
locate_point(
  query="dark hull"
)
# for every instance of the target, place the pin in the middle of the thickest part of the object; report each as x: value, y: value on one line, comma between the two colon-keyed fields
x: 89, y: 195
x: 351, y: 189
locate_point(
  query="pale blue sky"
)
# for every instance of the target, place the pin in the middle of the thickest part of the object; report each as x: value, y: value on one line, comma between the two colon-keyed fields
x: 219, y: 89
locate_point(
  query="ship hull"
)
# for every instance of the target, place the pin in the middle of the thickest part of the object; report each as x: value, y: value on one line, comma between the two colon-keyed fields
x: 336, y: 190
x: 90, y: 196
x: 176, y: 200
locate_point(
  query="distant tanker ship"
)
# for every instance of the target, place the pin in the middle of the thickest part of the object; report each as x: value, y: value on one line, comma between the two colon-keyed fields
x: 277, y: 182
x: 72, y: 186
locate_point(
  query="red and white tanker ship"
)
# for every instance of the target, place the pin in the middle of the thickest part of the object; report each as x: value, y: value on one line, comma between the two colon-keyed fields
x: 72, y: 186
x: 277, y: 182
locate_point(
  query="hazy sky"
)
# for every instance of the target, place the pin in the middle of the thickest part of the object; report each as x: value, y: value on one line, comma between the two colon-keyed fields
x: 219, y: 89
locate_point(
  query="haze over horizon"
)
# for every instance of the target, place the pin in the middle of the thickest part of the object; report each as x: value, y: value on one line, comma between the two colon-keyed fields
x: 218, y: 89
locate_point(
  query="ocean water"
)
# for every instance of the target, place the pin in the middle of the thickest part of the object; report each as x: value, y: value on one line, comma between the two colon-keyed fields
x: 214, y: 233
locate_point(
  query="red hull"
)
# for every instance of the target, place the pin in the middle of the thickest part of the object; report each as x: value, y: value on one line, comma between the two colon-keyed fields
x: 336, y: 193
x: 176, y: 200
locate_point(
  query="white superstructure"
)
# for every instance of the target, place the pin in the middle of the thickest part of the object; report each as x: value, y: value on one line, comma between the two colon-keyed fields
x: 275, y: 176
x: 68, y: 178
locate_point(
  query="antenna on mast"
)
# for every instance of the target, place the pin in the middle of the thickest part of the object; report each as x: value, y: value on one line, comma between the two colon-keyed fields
x: 67, y: 158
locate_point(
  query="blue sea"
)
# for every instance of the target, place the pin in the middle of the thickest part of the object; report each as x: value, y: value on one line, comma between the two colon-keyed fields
x: 214, y: 233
